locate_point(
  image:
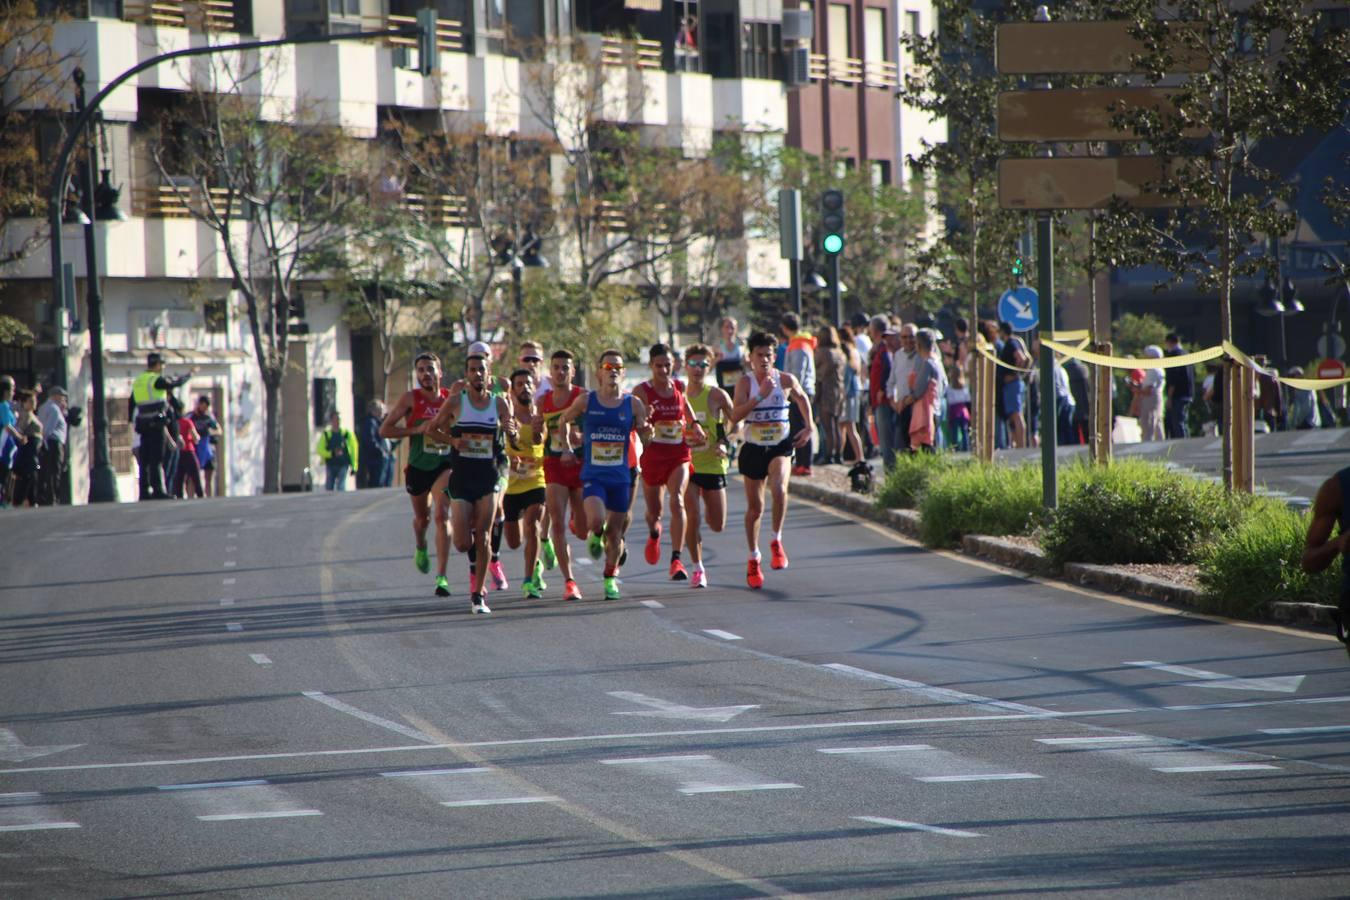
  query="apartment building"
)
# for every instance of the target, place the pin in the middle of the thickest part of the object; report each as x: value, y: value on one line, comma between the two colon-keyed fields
x: 704, y: 66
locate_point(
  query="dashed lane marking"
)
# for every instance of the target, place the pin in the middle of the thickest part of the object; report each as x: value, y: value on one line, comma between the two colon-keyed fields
x: 724, y: 635
x: 234, y: 626
x: 918, y: 826
x: 260, y: 658
x: 653, y: 604
x: 1317, y: 729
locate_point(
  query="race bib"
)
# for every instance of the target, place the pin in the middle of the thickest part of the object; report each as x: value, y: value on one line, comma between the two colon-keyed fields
x: 730, y: 377
x: 477, y: 445
x: 669, y: 433
x: 609, y: 453
x: 522, y: 467
x: 767, y: 433
x: 435, y: 447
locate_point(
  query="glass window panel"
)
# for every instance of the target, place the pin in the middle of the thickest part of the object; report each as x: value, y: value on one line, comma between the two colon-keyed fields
x: 874, y: 34
x: 841, y: 47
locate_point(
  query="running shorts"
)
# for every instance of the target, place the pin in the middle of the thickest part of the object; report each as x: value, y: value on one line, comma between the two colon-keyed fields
x: 514, y: 505
x: 615, y: 495
x: 558, y: 472
x: 419, y: 481
x: 753, y: 460
x: 472, y: 486
x: 709, y: 481
x: 658, y: 465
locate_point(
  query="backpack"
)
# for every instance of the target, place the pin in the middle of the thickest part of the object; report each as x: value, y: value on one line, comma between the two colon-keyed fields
x: 860, y: 478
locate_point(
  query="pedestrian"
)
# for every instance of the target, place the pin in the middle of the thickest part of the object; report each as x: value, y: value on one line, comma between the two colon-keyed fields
x: 208, y: 432
x: 150, y: 404
x: 831, y: 369
x: 1269, y: 399
x: 27, y: 461
x: 11, y: 439
x: 55, y: 431
x: 376, y: 453
x: 878, y: 372
x: 730, y: 359
x: 189, y: 473
x: 1065, y: 407
x: 337, y: 448
x: 1180, y: 388
x: 898, y: 387
x: 1080, y: 386
x: 1303, y: 407
x: 958, y: 408
x: 855, y: 385
x: 798, y: 350
x: 1212, y: 392
x: 1149, y: 399
x: 925, y: 386
x: 1330, y: 514
x: 1012, y: 385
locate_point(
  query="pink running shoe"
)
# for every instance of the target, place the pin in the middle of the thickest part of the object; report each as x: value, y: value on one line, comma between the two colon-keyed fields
x: 499, y: 582
x: 698, y: 579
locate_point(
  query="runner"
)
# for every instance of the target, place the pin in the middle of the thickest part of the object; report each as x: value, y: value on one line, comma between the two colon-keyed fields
x: 762, y: 400
x: 532, y: 359
x: 523, y: 505
x: 1331, y: 513
x: 428, y: 469
x: 665, y: 461
x: 500, y: 387
x: 608, y: 417
x: 709, y: 458
x: 562, y: 474
x: 474, y: 421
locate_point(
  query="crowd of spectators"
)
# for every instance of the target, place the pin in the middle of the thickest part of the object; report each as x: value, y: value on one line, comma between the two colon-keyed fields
x: 33, y: 444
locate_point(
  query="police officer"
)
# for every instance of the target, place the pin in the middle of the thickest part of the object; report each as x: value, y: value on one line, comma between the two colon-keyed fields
x: 150, y: 397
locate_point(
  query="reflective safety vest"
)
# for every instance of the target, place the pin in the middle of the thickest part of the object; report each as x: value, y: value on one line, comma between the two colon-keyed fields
x: 150, y: 400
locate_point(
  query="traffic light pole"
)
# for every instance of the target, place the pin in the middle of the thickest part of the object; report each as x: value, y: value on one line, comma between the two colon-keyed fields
x: 836, y: 295
x: 1045, y: 286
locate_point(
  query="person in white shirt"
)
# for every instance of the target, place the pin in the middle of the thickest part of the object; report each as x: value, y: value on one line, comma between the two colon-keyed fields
x: 52, y: 415
x: 897, y: 385
x: 1150, y: 395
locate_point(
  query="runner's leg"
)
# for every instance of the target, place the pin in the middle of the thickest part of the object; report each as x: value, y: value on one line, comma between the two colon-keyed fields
x: 484, y: 508
x: 444, y: 526
x: 779, y: 472
x: 675, y: 485
x: 692, y: 518
x: 754, y: 510
x: 557, y: 497
x: 715, y: 509
x: 532, y: 523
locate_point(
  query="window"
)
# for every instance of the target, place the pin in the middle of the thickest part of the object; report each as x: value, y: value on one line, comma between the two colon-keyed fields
x: 119, y: 433
x: 837, y: 31
x: 874, y: 34
x: 880, y: 171
x: 912, y: 22
x: 349, y: 8
x: 759, y: 50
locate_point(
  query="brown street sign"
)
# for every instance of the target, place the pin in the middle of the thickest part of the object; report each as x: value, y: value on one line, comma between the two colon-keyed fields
x: 1077, y: 48
x: 1078, y: 114
x: 1080, y: 182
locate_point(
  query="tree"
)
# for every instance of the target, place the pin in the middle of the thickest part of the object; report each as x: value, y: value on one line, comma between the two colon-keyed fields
x: 1131, y: 333
x: 278, y: 197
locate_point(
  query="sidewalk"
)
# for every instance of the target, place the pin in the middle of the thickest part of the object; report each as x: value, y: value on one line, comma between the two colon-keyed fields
x: 1172, y: 585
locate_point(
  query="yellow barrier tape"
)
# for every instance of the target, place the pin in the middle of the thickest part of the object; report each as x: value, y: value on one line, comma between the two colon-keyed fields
x: 982, y: 346
x: 1303, y: 384
x: 1081, y: 334
x: 1126, y: 362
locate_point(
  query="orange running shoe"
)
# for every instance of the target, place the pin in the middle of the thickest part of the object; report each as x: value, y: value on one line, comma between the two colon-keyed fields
x: 777, y: 556
x: 678, y: 571
x: 652, y: 552
x: 754, y: 575
x: 571, y: 591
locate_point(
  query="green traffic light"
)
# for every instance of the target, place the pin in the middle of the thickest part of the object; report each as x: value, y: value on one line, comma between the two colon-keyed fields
x: 1017, y: 267
x: 833, y: 243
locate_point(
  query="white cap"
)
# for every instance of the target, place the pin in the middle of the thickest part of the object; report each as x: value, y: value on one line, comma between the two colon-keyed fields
x: 478, y: 348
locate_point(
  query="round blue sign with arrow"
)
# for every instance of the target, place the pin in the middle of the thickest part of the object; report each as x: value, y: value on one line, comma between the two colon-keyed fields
x: 1020, y: 308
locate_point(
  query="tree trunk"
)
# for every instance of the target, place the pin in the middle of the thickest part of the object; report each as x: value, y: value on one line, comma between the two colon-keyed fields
x: 272, y: 432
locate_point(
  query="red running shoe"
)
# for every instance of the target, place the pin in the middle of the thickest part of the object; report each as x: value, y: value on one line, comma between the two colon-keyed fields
x: 754, y: 575
x: 677, y: 571
x: 571, y: 591
x: 777, y: 556
x: 652, y: 552
x: 803, y: 471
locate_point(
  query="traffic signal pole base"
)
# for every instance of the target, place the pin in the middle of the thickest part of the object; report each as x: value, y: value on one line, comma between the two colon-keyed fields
x: 103, y: 484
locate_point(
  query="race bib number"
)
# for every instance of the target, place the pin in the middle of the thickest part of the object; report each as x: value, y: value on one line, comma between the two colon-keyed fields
x: 522, y: 467
x: 609, y: 453
x: 768, y: 433
x: 476, y: 446
x: 436, y: 447
x: 669, y: 433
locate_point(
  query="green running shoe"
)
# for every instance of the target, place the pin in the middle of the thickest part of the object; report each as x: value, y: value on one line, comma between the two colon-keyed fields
x: 442, y: 586
x: 531, y: 589
x: 421, y: 560
x: 595, y: 546
x: 611, y: 588
x: 539, y: 576
x: 550, y: 556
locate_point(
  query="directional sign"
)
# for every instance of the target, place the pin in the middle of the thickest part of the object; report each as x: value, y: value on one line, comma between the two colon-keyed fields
x: 1331, y: 368
x: 1280, y: 684
x: 664, y: 709
x: 1082, y: 48
x: 1080, y: 114
x: 1081, y: 182
x: 1020, y: 308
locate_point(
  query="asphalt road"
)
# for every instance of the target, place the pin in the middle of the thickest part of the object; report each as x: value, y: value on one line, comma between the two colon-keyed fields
x: 1289, y: 464
x: 262, y: 698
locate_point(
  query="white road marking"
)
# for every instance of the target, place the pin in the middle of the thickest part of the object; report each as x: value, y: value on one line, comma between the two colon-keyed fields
x: 260, y: 658
x: 233, y: 626
x: 231, y: 534
x: 664, y: 709
x: 1322, y: 437
x: 235, y: 521
x: 227, y: 601
x: 653, y: 604
x: 14, y: 750
x: 469, y: 786
x: 501, y: 801
x: 724, y: 635
x: 230, y: 548
x: 423, y: 773
x: 265, y: 814
x: 702, y: 774
x: 1229, y: 767
x: 992, y: 776
x: 917, y: 826
x: 936, y: 693
x: 1282, y: 684
x: 887, y: 749
x: 25, y: 812
x: 926, y: 763
x: 207, y: 785
x: 1318, y: 729
x: 230, y: 564
x: 228, y: 581
x: 230, y: 801
x: 1159, y: 754
x: 373, y: 719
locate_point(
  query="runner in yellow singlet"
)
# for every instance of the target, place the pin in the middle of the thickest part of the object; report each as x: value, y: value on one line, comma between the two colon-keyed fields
x: 705, y: 499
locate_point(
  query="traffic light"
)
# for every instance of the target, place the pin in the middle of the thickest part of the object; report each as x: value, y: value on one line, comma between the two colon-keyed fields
x: 428, y: 54
x: 832, y: 221
x: 1019, y: 268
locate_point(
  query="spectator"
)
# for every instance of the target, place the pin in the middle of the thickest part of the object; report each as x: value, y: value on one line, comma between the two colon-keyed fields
x: 1212, y: 391
x: 799, y: 349
x: 855, y: 385
x: 831, y: 368
x: 1064, y: 405
x: 1180, y: 387
x: 189, y: 469
x: 55, y: 430
x: 1012, y: 386
x: 729, y: 362
x: 1080, y: 387
x: 885, y: 341
x: 337, y: 448
x: 11, y: 439
x: 898, y: 387
x: 857, y: 327
x: 27, y: 461
x: 1303, y: 411
x: 925, y: 385
x: 376, y: 453
x: 960, y: 341
x: 989, y: 331
x: 1149, y: 399
x: 958, y: 409
x: 1270, y: 401
x: 208, y: 431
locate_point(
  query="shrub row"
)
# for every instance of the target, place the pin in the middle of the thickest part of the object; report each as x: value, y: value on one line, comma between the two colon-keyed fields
x: 1248, y: 549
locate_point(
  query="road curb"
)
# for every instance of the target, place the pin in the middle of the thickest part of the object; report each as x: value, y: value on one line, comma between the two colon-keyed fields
x: 1032, y: 560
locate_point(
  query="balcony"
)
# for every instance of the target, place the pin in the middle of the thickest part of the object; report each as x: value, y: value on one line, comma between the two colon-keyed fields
x: 449, y: 32
x: 846, y: 70
x: 445, y: 210
x: 165, y: 201
x: 881, y: 74
x: 638, y: 52
x: 198, y: 15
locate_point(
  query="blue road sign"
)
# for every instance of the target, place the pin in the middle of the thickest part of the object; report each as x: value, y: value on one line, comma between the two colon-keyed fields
x: 1020, y: 308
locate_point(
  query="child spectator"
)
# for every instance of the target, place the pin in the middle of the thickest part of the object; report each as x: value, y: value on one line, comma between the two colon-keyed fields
x: 11, y: 438
x: 958, y: 408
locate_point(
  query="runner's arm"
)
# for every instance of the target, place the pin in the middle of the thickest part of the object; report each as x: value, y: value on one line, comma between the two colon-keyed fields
x: 692, y: 424
x: 798, y: 396
x: 746, y: 399
x: 640, y: 414
x: 577, y: 408
x: 507, y: 414
x: 720, y: 402
x: 1320, y: 550
x: 391, y: 428
x: 438, y: 429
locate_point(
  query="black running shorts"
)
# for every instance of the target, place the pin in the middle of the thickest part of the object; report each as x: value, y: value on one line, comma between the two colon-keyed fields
x: 753, y: 460
x: 708, y: 481
x: 418, y: 481
x: 514, y: 505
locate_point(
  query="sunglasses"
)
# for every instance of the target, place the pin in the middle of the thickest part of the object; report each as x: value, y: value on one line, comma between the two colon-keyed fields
x: 531, y: 359
x: 612, y: 367
x: 697, y: 364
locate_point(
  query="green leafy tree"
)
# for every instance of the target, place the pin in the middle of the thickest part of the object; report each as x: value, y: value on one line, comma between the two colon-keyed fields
x: 1131, y: 333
